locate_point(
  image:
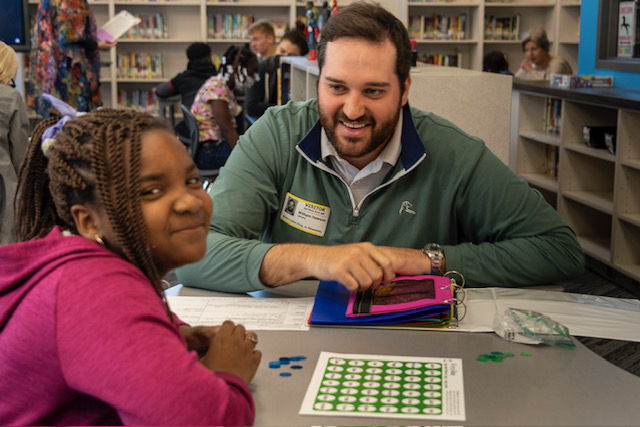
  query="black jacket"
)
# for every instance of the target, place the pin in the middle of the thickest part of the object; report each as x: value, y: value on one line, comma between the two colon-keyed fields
x: 188, y: 82
x: 263, y: 94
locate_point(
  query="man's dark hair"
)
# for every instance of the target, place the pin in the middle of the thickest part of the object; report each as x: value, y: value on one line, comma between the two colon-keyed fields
x: 370, y: 22
x: 198, y: 50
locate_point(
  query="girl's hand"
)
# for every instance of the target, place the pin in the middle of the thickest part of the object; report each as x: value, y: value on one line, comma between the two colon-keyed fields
x: 232, y: 349
x: 198, y: 337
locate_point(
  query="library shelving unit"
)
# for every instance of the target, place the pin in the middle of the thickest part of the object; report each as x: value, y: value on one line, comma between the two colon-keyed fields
x: 187, y: 21
x: 559, y: 18
x: 595, y: 191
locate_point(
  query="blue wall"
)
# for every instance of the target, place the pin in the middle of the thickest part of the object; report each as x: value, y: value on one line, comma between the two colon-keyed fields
x: 587, y: 48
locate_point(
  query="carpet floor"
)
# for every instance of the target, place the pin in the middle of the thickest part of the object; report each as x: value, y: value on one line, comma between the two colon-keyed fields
x: 602, y: 281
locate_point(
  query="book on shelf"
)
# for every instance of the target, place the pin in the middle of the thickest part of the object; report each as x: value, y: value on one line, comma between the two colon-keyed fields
x: 442, y: 59
x: 138, y: 99
x: 139, y: 65
x: 439, y: 27
x: 628, y: 29
x: 228, y: 26
x: 580, y: 81
x: 551, y: 161
x: 407, y: 302
x: 502, y: 28
x: 596, y: 137
x: 552, y: 115
x: 152, y: 26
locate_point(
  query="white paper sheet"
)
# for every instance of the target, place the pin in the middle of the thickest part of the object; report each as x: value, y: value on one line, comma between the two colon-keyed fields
x: 256, y: 314
x: 117, y: 26
x: 584, y: 315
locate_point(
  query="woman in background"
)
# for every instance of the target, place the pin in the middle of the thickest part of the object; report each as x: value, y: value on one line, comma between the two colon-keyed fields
x: 538, y: 63
x: 65, y: 58
x: 14, y: 137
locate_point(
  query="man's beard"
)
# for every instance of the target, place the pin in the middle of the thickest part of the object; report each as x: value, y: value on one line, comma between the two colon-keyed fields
x: 348, y: 147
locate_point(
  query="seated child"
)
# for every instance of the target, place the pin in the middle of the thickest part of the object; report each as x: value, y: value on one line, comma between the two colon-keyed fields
x: 107, y: 207
x: 199, y: 68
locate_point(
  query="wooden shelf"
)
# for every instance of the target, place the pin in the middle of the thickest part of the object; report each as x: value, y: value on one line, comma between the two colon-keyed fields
x: 630, y: 218
x: 543, y: 137
x: 597, y: 248
x: 599, y: 153
x: 597, y: 192
x: 601, y: 201
x: 544, y: 181
x: 187, y: 22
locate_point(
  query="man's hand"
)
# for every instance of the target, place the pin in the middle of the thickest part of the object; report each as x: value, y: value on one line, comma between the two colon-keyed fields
x: 358, y: 266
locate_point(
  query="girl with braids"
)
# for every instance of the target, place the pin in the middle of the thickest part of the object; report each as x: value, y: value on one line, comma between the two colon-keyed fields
x: 215, y: 106
x: 107, y: 207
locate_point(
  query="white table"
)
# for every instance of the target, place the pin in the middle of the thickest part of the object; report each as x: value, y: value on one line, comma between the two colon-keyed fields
x: 552, y: 387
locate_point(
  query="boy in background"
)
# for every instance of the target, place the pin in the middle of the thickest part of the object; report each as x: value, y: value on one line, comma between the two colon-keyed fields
x: 199, y: 68
x: 262, y: 38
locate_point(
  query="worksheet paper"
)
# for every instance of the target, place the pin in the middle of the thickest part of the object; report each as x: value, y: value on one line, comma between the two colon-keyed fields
x: 369, y: 385
x: 584, y: 315
x: 285, y: 314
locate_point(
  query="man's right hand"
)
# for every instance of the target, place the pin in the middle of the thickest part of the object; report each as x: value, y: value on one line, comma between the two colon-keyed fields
x: 358, y: 266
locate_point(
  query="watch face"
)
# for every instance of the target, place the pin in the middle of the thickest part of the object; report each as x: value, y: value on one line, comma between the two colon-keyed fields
x: 433, y: 247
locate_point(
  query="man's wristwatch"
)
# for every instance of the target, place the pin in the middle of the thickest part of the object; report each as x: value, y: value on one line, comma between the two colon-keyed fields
x: 436, y: 255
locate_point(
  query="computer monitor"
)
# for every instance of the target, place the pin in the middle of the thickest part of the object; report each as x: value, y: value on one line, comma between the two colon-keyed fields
x: 14, y: 24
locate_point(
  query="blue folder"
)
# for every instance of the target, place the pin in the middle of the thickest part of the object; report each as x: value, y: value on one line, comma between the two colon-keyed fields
x: 330, y: 308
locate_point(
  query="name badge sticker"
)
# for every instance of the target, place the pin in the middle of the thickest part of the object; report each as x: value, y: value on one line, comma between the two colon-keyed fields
x: 306, y: 216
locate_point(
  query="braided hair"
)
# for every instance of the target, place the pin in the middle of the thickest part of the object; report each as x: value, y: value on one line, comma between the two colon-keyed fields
x: 95, y: 159
x: 242, y: 54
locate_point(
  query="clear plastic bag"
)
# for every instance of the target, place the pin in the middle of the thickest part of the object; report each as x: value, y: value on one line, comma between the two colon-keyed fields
x: 531, y: 327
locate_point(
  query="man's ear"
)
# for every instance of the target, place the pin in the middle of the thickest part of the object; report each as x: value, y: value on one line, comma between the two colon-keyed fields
x: 405, y: 95
x: 86, y: 221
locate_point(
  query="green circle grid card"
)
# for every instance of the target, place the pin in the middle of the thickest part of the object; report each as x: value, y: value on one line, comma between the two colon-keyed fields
x: 400, y: 387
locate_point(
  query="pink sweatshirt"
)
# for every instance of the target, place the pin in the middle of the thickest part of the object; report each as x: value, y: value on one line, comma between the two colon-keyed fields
x: 85, y: 340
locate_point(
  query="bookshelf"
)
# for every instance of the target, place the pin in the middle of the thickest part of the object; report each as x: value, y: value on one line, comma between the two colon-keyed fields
x: 187, y: 21
x: 594, y: 191
x: 184, y: 21
x: 559, y: 18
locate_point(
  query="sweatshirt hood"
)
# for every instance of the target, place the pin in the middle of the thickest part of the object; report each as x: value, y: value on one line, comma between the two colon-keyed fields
x: 203, y: 68
x: 23, y: 265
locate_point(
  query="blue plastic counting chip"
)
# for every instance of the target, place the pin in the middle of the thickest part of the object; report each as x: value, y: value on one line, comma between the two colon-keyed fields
x: 274, y: 365
x: 296, y: 367
x: 285, y: 374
